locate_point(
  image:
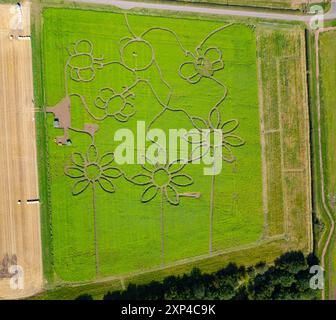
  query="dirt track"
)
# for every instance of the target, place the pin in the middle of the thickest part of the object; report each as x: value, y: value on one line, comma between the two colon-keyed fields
x: 19, y: 223
x: 185, y: 7
x: 322, y: 171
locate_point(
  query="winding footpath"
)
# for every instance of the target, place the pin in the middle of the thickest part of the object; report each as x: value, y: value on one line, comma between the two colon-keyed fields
x: 331, y: 15
x: 323, y: 195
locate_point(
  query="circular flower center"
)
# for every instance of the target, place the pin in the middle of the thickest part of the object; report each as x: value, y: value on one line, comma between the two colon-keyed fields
x: 161, y: 177
x: 93, y: 171
x: 204, y: 67
x: 137, y: 54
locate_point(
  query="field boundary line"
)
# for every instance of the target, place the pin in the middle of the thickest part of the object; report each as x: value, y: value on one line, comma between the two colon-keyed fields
x: 323, y: 196
x: 262, y: 140
x: 326, y: 29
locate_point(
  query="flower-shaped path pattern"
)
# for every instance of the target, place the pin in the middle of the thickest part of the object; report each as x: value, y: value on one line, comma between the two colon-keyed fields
x: 90, y: 169
x: 82, y: 63
x: 202, y: 136
x: 116, y: 105
x: 162, y: 178
x: 203, y: 64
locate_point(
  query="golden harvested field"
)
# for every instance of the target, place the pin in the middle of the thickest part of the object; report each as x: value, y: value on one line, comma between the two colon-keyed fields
x: 20, y: 242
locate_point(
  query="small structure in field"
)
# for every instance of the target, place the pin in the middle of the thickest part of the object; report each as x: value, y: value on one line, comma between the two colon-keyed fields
x: 32, y: 201
x: 56, y: 123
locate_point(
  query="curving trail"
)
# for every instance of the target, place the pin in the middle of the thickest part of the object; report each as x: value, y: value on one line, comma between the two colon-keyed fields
x: 325, y: 206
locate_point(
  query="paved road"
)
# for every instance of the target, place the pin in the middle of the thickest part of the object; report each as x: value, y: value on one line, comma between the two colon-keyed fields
x: 220, y: 11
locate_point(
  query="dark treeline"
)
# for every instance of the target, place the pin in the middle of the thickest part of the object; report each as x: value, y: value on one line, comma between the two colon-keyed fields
x: 288, y: 278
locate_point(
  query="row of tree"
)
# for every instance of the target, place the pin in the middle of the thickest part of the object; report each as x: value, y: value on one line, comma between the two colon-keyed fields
x: 287, y: 278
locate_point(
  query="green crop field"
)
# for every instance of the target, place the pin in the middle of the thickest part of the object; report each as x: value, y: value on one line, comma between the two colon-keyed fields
x: 327, y: 63
x: 328, y: 80
x: 106, y: 71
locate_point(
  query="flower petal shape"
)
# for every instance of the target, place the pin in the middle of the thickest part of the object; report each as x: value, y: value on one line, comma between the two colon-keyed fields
x: 199, y: 123
x: 195, y: 78
x: 172, y: 195
x: 106, y: 185
x: 227, y: 154
x: 106, y: 159
x: 74, y: 172
x: 74, y: 74
x: 100, y: 103
x: 149, y: 193
x: 182, y: 180
x: 115, y: 104
x: 112, y: 172
x: 81, y: 61
x: 120, y: 117
x: 78, y: 159
x: 194, y: 136
x: 176, y: 166
x: 187, y: 70
x: 149, y: 165
x: 213, y: 54
x: 214, y: 118
x: 86, y: 74
x: 92, y: 154
x: 217, y: 65
x: 80, y: 186
x: 141, y: 179
x: 198, y: 152
x: 106, y: 93
x: 128, y: 110
x: 233, y: 140
x: 83, y: 46
x: 230, y: 126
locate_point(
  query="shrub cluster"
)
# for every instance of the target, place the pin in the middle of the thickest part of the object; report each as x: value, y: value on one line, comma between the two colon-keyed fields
x: 287, y: 278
